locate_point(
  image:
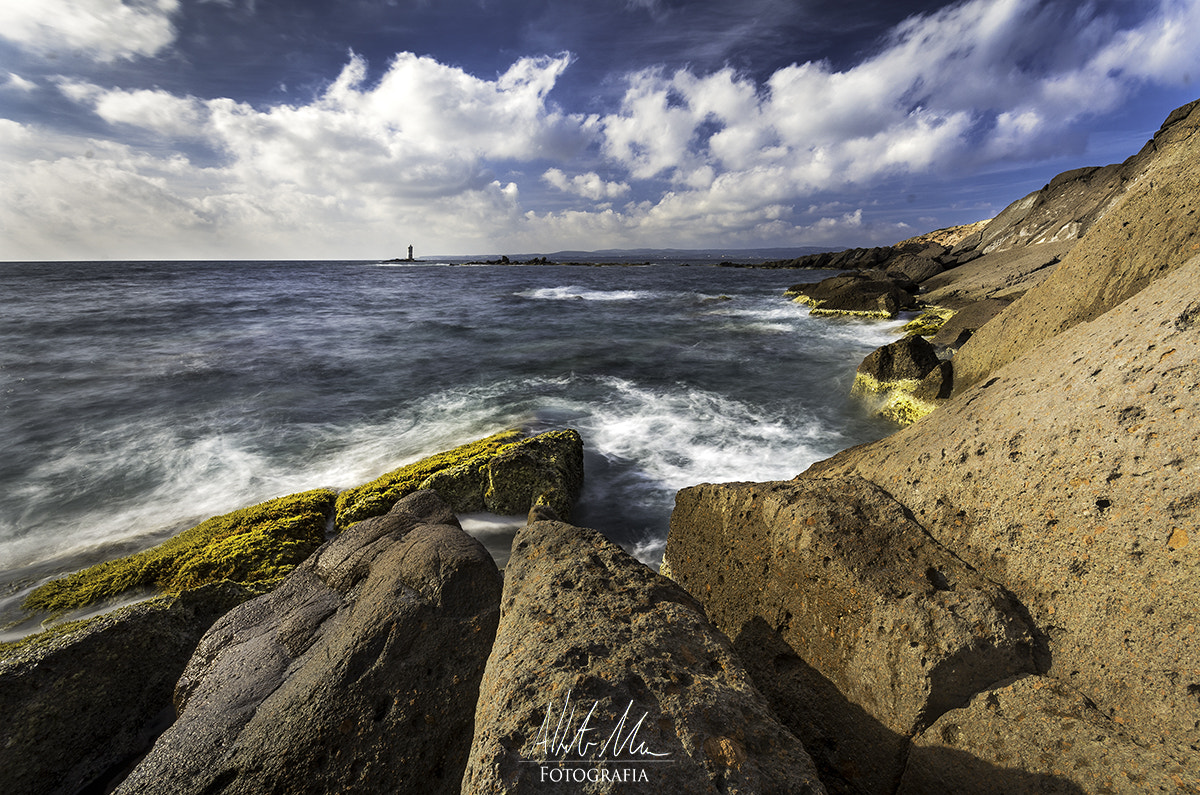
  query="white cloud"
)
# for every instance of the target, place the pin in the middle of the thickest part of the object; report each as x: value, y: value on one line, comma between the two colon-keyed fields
x: 101, y: 29
x: 590, y: 185
x: 432, y: 155
x: 17, y: 83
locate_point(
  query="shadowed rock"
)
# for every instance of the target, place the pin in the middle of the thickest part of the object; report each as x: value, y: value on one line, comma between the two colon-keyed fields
x: 358, y: 674
x: 82, y: 701
x: 608, y: 672
x: 859, y: 593
x: 1045, y: 730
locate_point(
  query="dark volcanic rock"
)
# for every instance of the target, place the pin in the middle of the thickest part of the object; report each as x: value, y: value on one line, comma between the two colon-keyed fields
x: 358, y: 674
x: 83, y: 701
x: 914, y: 267
x: 859, y: 627
x: 906, y: 359
x: 966, y: 321
x: 854, y: 294
x: 590, y: 635
x: 544, y: 470
x: 937, y: 383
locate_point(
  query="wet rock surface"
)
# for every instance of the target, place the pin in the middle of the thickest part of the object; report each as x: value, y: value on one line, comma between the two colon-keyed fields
x: 606, y: 671
x: 359, y: 673
x: 83, y: 701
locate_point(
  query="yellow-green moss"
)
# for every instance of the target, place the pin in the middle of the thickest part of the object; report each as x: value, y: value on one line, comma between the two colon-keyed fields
x: 252, y: 545
x: 801, y: 298
x: 865, y: 384
x: 875, y: 314
x: 928, y: 322
x: 905, y: 409
x: 377, y: 497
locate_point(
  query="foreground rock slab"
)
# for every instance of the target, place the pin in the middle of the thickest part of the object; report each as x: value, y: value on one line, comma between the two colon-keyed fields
x: 1048, y: 737
x: 860, y: 627
x: 606, y: 677
x: 82, y: 701
x: 358, y: 674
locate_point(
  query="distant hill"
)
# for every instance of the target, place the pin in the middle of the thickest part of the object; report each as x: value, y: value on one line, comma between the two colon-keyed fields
x: 702, y: 256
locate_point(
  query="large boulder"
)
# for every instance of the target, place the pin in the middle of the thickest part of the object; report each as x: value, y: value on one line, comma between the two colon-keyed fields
x: 83, y: 700
x: 607, y: 677
x: 859, y: 294
x: 359, y: 673
x: 898, y: 365
x: 1069, y: 476
x: 861, y: 628
x: 1152, y: 229
x: 505, y: 473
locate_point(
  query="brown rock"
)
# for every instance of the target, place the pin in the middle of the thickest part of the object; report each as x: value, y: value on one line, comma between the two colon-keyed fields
x: 842, y: 606
x: 1050, y: 737
x: 1070, y: 477
x: 608, y: 672
x: 1153, y: 229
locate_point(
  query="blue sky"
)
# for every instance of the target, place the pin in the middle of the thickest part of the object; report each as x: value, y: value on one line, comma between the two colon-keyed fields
x: 146, y: 129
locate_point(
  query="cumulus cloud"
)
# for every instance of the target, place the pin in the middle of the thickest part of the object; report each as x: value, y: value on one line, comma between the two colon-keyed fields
x: 105, y: 30
x: 589, y: 185
x: 430, y: 153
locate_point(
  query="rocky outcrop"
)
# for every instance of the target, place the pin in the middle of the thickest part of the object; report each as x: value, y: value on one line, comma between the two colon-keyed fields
x: 963, y: 324
x: 1069, y: 476
x: 504, y: 474
x: 254, y: 546
x: 828, y: 586
x: 606, y: 677
x: 1004, y: 276
x: 1152, y: 229
x: 904, y: 379
x: 861, y: 294
x: 359, y: 673
x: 81, y: 702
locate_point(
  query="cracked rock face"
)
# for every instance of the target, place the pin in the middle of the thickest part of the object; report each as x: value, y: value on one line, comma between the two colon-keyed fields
x: 608, y: 672
x: 834, y: 595
x: 358, y: 674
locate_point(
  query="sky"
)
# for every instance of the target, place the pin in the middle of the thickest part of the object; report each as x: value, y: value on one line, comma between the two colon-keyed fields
x: 312, y: 129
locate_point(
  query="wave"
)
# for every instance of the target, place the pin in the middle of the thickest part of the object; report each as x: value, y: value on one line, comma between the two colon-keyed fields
x: 576, y: 293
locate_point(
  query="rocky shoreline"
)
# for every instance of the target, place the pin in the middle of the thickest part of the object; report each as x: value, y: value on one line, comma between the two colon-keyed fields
x: 999, y: 598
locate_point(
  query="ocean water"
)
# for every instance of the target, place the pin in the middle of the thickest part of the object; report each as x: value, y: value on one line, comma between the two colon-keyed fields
x: 141, y: 398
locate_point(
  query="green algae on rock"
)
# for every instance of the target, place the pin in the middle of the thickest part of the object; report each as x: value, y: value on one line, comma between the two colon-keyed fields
x: 929, y: 322
x: 377, y: 497
x: 503, y: 473
x: 249, y: 546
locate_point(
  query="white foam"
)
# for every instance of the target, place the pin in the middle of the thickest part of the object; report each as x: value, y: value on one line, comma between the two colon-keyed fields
x: 576, y: 293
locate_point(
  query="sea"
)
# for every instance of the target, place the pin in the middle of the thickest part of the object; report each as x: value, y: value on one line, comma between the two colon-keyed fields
x: 140, y: 398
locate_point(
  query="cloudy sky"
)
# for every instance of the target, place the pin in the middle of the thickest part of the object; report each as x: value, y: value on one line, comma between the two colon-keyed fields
x: 317, y: 129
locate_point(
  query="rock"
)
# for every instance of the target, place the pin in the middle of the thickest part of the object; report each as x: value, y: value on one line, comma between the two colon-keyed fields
x: 545, y: 470
x: 83, y: 700
x: 937, y: 383
x: 1069, y: 476
x: 965, y: 322
x: 504, y: 473
x: 929, y: 322
x: 914, y: 267
x: 1005, y: 276
x: 359, y: 673
x: 845, y: 611
x: 898, y: 365
x: 254, y: 546
x: 599, y: 658
x: 1153, y: 228
x: 1047, y: 736
x: 852, y: 294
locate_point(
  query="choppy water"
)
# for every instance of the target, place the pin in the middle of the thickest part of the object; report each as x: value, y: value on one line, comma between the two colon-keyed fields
x: 141, y: 398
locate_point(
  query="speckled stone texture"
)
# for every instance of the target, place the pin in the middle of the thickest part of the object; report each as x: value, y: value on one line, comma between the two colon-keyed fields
x: 1071, y: 477
x: 588, y: 633
x: 358, y: 674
